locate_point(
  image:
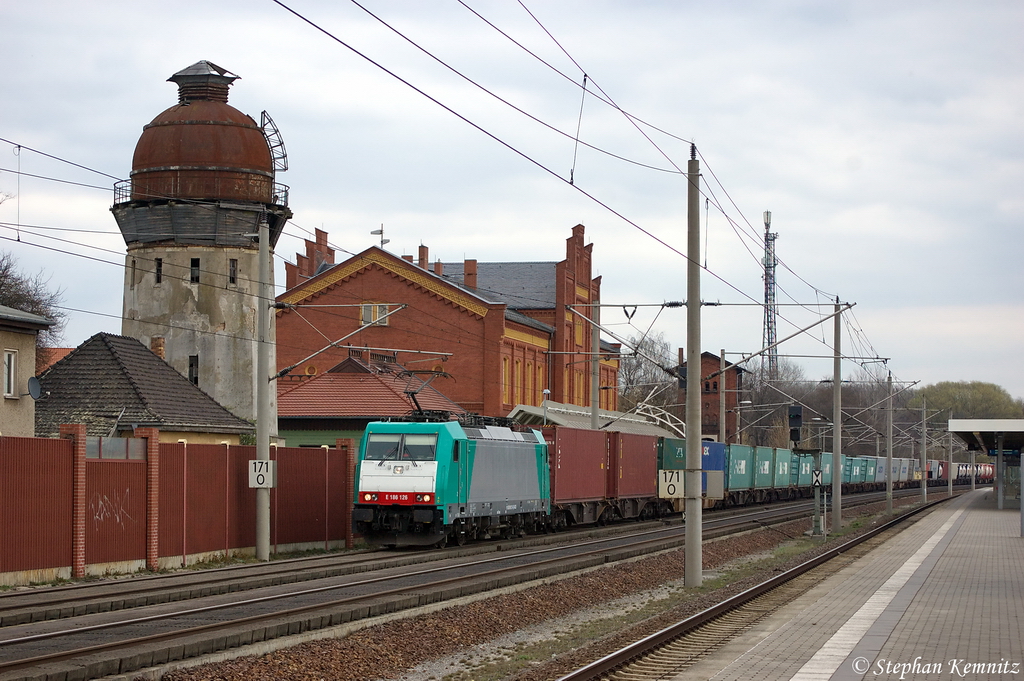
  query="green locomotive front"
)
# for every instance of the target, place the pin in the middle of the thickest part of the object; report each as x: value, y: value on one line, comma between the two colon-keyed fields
x: 429, y: 483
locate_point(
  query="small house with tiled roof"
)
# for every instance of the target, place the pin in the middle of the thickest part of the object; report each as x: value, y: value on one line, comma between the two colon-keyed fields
x: 501, y: 332
x: 338, y: 403
x: 113, y: 384
x: 18, y: 332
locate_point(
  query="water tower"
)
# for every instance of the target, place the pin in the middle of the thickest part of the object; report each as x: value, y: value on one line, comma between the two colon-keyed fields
x: 202, y: 180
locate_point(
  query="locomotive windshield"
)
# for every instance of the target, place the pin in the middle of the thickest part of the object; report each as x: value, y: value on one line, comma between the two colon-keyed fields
x: 404, y: 447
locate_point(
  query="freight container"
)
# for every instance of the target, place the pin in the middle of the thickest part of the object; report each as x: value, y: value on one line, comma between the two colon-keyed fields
x: 579, y: 463
x: 633, y: 472
x: 764, y: 462
x: 905, y: 469
x: 784, y: 469
x: 672, y: 457
x: 739, y: 475
x: 870, y: 464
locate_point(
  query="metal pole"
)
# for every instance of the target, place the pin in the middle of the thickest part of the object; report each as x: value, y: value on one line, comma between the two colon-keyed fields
x: 924, y: 451
x: 1000, y: 479
x: 692, y: 570
x: 721, y: 398
x: 817, y: 530
x: 837, y: 426
x: 595, y: 364
x: 263, y: 301
x: 973, y: 477
x: 888, y: 447
x: 949, y: 466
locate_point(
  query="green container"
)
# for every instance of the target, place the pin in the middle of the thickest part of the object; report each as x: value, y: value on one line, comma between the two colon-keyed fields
x: 739, y: 467
x: 764, y: 467
x: 785, y: 469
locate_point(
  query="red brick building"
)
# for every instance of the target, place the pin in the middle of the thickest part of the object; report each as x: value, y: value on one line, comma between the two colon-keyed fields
x: 500, y: 331
x: 713, y: 384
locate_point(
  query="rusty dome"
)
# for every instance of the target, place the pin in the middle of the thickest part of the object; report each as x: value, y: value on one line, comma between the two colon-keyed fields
x: 202, y: 148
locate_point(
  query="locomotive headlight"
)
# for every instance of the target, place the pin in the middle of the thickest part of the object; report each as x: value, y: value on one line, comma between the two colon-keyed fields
x: 367, y: 497
x: 426, y: 497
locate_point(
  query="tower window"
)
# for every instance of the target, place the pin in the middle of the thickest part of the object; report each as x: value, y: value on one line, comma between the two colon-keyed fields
x: 194, y: 271
x: 193, y: 369
x: 159, y: 269
x: 134, y: 266
x: 233, y: 271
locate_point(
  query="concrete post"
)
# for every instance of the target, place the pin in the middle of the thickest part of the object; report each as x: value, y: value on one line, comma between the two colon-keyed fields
x: 837, y: 424
x: 693, y: 567
x: 263, y: 301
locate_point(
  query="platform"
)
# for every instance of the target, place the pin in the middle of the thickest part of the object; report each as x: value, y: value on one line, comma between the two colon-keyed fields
x: 944, y: 599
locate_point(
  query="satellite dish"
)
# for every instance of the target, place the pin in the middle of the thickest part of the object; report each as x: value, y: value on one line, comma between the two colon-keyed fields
x: 34, y: 389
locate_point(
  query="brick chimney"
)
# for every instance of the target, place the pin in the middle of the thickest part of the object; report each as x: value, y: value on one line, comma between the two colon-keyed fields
x: 407, y: 258
x: 156, y: 344
x: 469, y: 274
x: 438, y: 268
x: 424, y: 257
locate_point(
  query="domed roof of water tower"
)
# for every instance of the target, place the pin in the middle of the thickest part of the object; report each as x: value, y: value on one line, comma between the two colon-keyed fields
x: 202, y: 148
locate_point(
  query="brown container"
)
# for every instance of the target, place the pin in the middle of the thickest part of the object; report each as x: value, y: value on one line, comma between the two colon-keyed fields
x: 634, y: 466
x: 579, y: 464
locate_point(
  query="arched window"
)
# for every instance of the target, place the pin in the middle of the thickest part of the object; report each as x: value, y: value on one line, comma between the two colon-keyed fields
x: 506, y: 382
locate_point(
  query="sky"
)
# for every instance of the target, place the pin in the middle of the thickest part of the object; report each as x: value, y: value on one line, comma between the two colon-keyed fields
x: 885, y: 138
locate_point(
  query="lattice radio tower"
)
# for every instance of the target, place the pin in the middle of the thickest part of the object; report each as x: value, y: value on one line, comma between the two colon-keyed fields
x: 770, y: 307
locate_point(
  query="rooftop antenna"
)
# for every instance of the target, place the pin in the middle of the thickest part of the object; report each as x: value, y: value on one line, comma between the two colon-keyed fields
x: 380, y: 232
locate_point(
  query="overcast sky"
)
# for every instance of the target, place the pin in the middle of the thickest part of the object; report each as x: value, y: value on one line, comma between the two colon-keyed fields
x: 886, y: 138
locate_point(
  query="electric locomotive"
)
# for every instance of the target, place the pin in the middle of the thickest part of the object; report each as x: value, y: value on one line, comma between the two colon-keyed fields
x: 428, y: 483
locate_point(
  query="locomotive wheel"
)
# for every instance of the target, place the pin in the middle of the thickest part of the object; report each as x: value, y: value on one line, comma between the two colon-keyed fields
x: 458, y: 534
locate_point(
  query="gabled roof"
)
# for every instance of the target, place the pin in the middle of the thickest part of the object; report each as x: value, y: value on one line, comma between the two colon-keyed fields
x: 374, y: 256
x: 113, y: 381
x: 356, y: 390
x: 520, y: 285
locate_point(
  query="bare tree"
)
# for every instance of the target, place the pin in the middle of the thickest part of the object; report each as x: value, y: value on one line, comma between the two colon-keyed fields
x: 640, y: 379
x: 34, y: 295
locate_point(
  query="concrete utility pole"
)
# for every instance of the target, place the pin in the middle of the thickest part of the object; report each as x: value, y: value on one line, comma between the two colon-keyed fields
x: 595, y: 363
x: 924, y: 451
x: 721, y: 397
x: 693, y: 568
x: 888, y: 447
x: 263, y: 303
x: 837, y: 425
x: 949, y: 466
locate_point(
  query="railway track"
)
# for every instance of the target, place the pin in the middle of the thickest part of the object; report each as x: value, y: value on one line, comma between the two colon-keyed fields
x: 217, y: 616
x: 666, y: 653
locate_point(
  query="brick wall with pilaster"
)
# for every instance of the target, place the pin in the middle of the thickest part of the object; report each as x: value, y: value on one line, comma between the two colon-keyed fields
x: 348, y: 448
x: 76, y: 432
x: 152, y: 436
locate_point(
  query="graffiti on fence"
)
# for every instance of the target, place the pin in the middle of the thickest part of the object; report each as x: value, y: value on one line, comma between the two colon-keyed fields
x: 114, y: 508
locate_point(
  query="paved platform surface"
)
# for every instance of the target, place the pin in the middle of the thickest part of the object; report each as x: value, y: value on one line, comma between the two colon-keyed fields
x: 944, y: 599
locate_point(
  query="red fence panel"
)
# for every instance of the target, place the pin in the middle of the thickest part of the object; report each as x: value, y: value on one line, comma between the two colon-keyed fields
x: 115, y: 511
x: 172, y: 502
x: 241, y: 499
x: 309, y: 501
x: 35, y: 503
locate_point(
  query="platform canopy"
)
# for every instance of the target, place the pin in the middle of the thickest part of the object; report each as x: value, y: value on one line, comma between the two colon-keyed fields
x: 983, y: 434
x: 574, y: 416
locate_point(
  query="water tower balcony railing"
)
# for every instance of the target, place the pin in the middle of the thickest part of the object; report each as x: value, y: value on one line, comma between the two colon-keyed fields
x: 123, y: 193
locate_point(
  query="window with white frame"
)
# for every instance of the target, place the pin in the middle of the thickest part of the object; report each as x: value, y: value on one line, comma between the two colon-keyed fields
x: 373, y: 314
x: 10, y: 373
